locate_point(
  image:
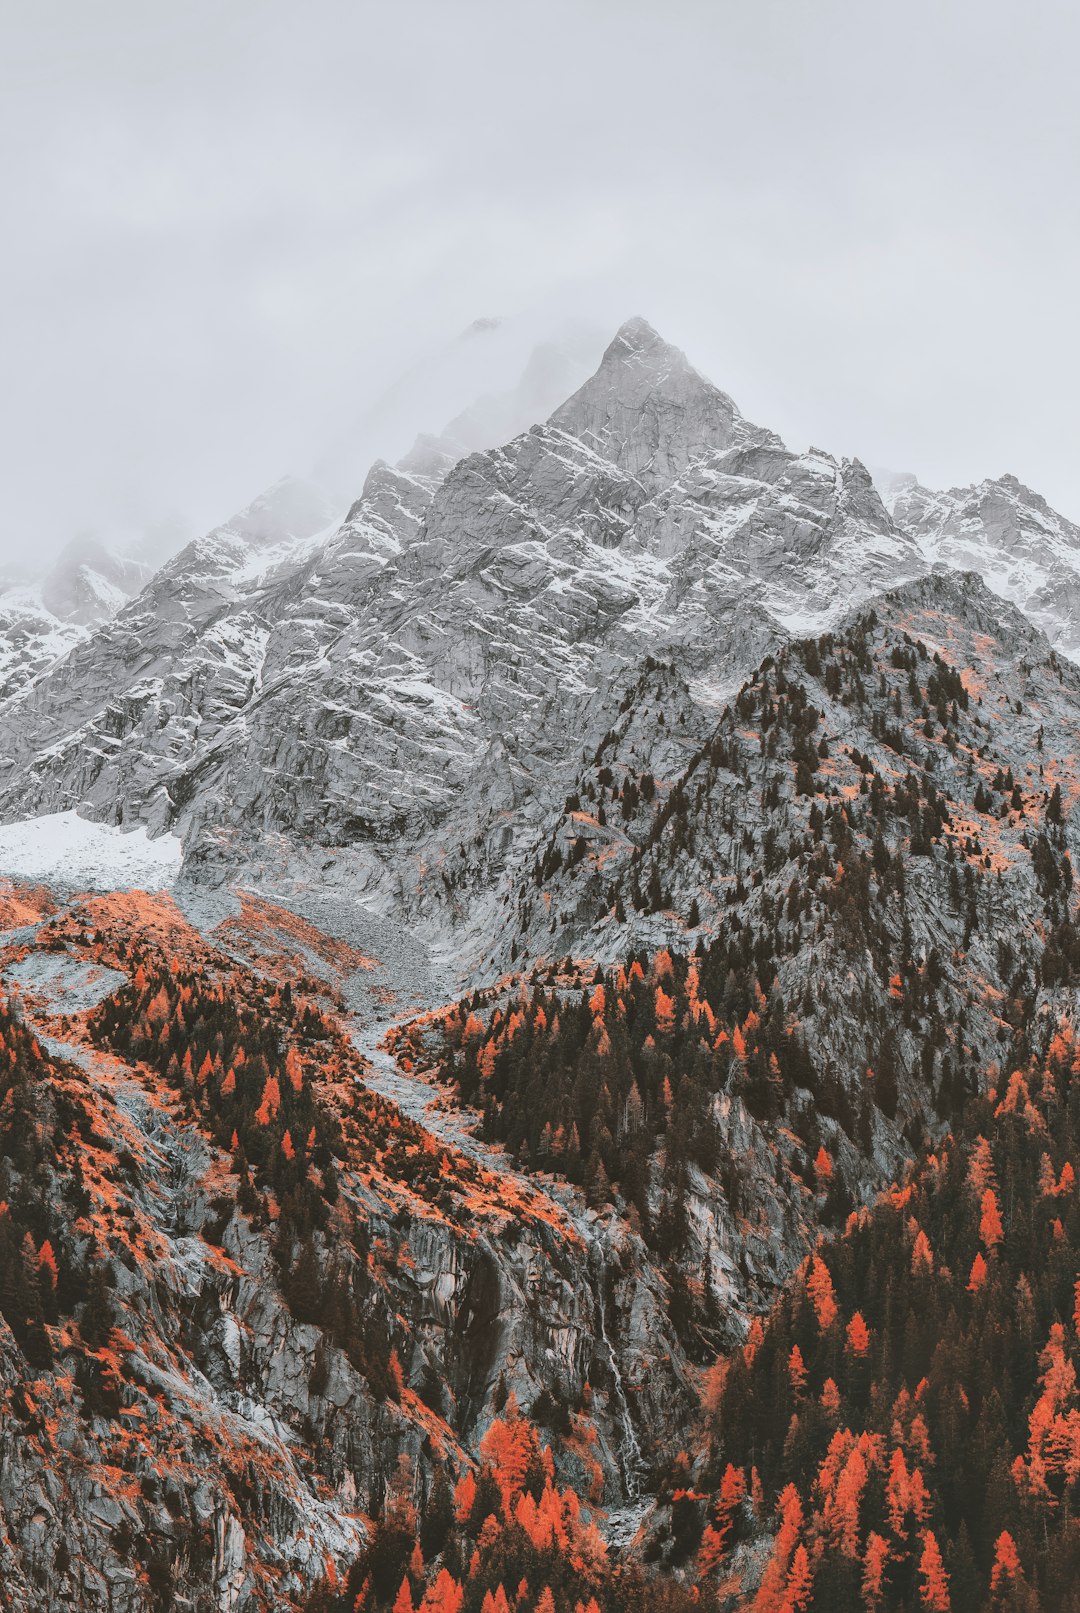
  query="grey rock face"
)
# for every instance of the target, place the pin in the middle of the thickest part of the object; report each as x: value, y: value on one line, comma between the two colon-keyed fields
x: 1023, y: 550
x: 40, y: 623
x: 397, y: 707
x: 427, y: 678
x: 646, y: 410
x: 165, y: 672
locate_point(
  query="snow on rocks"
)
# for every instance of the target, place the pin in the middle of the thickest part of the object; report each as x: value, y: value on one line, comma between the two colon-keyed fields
x: 65, y: 850
x: 63, y: 984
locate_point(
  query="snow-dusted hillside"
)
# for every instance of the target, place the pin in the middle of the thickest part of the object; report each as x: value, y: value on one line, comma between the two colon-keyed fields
x: 1023, y: 550
x: 399, y: 702
x: 434, y: 667
x: 41, y: 621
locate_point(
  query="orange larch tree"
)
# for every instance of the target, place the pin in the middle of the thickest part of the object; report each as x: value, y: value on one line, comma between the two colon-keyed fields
x: 819, y: 1286
x: 991, y: 1230
x: 934, y: 1590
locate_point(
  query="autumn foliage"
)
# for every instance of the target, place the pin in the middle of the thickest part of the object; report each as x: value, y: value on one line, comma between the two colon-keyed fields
x: 913, y: 1405
x: 508, y: 1539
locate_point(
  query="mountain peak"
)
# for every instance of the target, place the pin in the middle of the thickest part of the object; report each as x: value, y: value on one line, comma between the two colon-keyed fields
x: 646, y: 409
x: 88, y: 583
x: 636, y: 336
x: 1013, y: 488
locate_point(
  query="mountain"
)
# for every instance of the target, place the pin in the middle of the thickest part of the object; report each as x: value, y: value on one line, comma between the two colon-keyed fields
x: 40, y: 623
x: 239, y: 1286
x: 1025, y: 551
x: 536, y: 1155
x: 872, y: 860
x: 553, y: 370
x: 88, y: 583
x: 182, y: 654
x: 491, y: 381
x: 428, y: 677
x: 249, y: 1234
x: 866, y: 860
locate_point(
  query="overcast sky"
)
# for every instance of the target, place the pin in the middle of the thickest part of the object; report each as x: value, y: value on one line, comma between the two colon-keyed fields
x: 228, y: 226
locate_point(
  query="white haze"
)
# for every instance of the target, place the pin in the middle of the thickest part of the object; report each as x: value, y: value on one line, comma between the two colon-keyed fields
x: 231, y: 228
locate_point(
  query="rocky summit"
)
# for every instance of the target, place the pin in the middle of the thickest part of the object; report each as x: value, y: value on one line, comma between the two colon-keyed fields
x: 581, y: 1119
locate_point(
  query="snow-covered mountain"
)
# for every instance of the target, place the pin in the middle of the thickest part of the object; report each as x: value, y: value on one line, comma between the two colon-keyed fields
x: 1024, y: 550
x: 402, y: 700
x: 431, y: 671
x: 41, y: 620
x: 89, y: 583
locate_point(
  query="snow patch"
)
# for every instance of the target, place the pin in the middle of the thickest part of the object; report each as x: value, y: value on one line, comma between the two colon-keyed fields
x: 65, y: 984
x: 62, y: 848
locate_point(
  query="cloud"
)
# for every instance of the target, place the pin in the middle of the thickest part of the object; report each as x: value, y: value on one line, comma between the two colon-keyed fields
x: 230, y: 227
